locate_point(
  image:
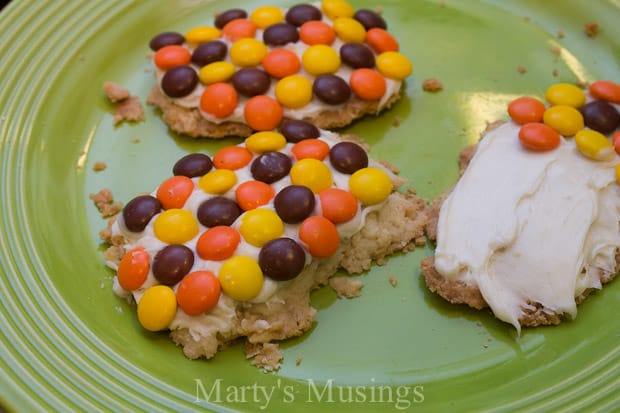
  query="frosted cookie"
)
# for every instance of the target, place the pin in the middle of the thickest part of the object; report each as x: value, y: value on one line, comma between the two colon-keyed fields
x: 325, y: 63
x: 531, y: 227
x: 232, y: 245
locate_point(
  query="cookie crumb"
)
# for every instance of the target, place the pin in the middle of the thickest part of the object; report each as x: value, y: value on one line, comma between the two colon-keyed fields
x: 556, y: 50
x: 346, y: 287
x: 266, y: 356
x: 127, y: 107
x: 581, y: 84
x: 104, y: 201
x: 135, y: 140
x: 393, y: 281
x: 485, y: 345
x: 391, y: 167
x: 521, y: 69
x: 432, y: 85
x: 442, y: 4
x: 591, y: 29
x: 115, y: 92
x: 527, y: 18
x: 560, y: 34
x: 378, y: 10
x: 381, y: 262
x: 555, y: 72
x: 149, y: 55
x: 298, y: 361
x: 396, y: 122
x: 99, y: 166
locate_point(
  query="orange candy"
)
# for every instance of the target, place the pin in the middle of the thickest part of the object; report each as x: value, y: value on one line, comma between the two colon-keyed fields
x: 219, y: 100
x: 539, y: 137
x: 615, y: 139
x: 605, y: 90
x: 232, y: 157
x: 526, y: 109
x: 252, y: 194
x: 218, y: 243
x: 173, y: 192
x: 338, y: 205
x: 198, y: 292
x: 381, y: 41
x: 280, y: 63
x: 320, y: 236
x: 133, y: 269
x: 262, y: 113
x: 310, y: 148
x: 368, y: 84
x: 171, y: 56
x: 239, y: 29
x: 317, y: 32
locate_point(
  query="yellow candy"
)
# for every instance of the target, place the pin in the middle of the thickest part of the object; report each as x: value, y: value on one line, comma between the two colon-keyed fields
x: 216, y: 72
x: 320, y: 59
x: 618, y: 173
x: 594, y: 145
x: 261, y: 142
x: 370, y: 185
x: 175, y: 226
x: 259, y: 226
x: 218, y: 181
x: 350, y: 30
x: 202, y: 34
x: 394, y: 65
x: 565, y: 94
x: 294, y: 91
x: 337, y: 8
x: 566, y: 120
x: 265, y: 16
x: 241, y: 278
x: 157, y: 308
x: 248, y: 52
x: 311, y: 173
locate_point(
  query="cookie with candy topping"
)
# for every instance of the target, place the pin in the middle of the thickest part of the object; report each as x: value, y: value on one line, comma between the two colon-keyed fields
x: 326, y: 63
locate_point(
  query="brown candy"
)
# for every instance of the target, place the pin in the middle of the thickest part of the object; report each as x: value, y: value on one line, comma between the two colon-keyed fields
x: 172, y: 263
x: 223, y: 18
x: 139, y: 211
x: 294, y: 203
x: 297, y: 130
x: 348, y: 157
x: 179, y: 81
x: 251, y: 81
x: 301, y: 13
x: 166, y: 39
x: 331, y: 89
x: 282, y: 259
x: 280, y: 34
x: 271, y: 167
x: 209, y: 52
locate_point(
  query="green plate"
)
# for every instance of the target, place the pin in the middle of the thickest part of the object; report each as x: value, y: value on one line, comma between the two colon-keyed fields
x: 69, y: 344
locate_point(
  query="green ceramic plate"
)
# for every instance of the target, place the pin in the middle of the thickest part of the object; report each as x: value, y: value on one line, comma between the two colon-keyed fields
x: 69, y: 344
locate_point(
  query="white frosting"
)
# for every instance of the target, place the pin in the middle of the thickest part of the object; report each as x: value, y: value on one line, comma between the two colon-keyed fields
x: 525, y: 226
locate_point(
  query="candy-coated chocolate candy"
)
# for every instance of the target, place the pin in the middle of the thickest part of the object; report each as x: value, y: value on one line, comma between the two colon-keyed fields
x: 139, y: 211
x: 381, y: 41
x: 312, y: 173
x: 262, y: 113
x: 320, y: 59
x: 331, y: 89
x: 280, y: 34
x: 259, y: 226
x: 175, y: 226
x: 218, y: 243
x: 348, y: 157
x: 280, y: 63
x: 219, y: 99
x: 294, y: 91
x: 526, y: 109
x: 179, y: 81
x: 171, y: 56
x: 172, y: 263
x: 267, y: 141
x: 282, y: 259
x: 252, y: 194
x: 337, y: 8
x: 349, y: 30
x: 218, y: 181
x: 241, y: 278
x: 357, y: 55
x: 201, y: 34
x: 294, y: 203
x: 192, y: 165
x: 320, y: 236
x: 539, y: 137
x: 174, y: 191
x: 394, y: 65
x: 301, y: 13
x: 565, y: 119
x: 216, y: 72
x: 265, y: 16
x: 218, y: 211
x: 198, y: 292
x: 251, y: 81
x: 601, y: 116
x: 239, y: 29
x: 247, y: 52
x: 133, y: 269
x: 310, y: 148
x: 338, y: 205
x: 157, y: 308
x: 166, y: 39
x: 565, y: 94
x: 605, y: 90
x: 297, y: 130
x: 370, y: 185
x: 224, y: 18
x: 370, y: 19
x: 232, y: 157
x: 594, y: 145
x: 271, y: 167
x: 317, y: 32
x: 209, y: 52
x: 367, y: 84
